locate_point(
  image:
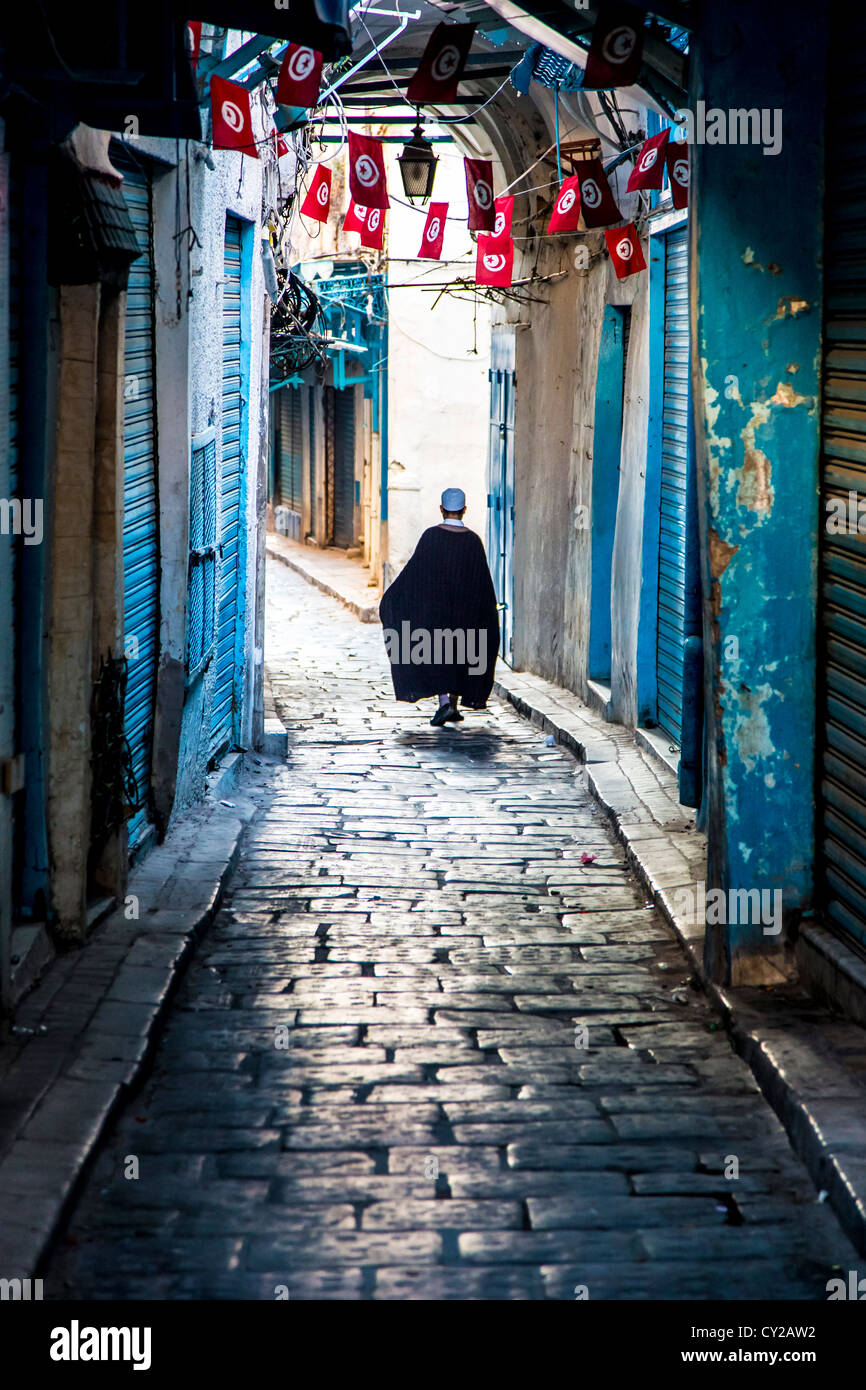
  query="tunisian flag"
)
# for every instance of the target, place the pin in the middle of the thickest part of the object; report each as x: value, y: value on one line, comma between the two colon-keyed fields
x: 616, y: 49
x: 434, y: 232
x: 596, y: 199
x: 367, y: 171
x: 479, y: 191
x: 373, y: 230
x: 317, y: 203
x: 231, y: 117
x: 300, y: 76
x: 624, y: 248
x: 649, y: 167
x: 678, y: 172
x: 566, y: 210
x: 494, y: 261
x: 441, y: 65
x: 194, y: 27
x: 503, y: 210
x: 355, y: 217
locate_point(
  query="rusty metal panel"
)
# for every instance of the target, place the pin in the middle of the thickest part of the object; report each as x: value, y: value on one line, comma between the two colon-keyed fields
x: 842, y: 766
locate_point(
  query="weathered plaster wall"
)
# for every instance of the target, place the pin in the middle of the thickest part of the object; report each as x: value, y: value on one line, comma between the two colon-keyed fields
x: 756, y: 296
x: 70, y: 613
x: 544, y: 499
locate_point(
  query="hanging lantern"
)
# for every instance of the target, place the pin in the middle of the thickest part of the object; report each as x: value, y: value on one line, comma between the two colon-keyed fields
x: 417, y: 166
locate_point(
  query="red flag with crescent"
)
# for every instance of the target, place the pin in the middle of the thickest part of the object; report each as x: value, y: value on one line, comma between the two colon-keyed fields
x: 678, y: 172
x: 441, y: 65
x: 231, y: 116
x: 596, y: 200
x: 494, y: 261
x: 479, y: 191
x: 503, y: 210
x: 317, y: 203
x: 373, y: 230
x: 623, y: 245
x: 649, y: 167
x: 434, y: 232
x: 566, y: 210
x: 355, y: 217
x: 616, y: 49
x: 300, y: 76
x: 367, y: 171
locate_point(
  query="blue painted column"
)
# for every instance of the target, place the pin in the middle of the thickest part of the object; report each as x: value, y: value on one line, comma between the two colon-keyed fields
x: 756, y: 229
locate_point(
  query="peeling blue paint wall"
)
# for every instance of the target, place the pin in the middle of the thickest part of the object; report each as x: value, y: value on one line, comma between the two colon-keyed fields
x: 756, y: 289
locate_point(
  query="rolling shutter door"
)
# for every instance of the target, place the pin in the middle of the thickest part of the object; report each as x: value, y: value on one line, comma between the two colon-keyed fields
x: 344, y: 468
x: 290, y: 448
x: 842, y: 769
x: 675, y: 621
x: 140, y: 497
x: 229, y: 614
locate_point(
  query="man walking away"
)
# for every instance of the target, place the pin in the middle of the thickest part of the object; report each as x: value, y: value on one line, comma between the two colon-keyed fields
x: 440, y: 619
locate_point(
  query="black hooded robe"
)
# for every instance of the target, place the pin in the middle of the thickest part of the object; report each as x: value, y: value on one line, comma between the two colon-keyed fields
x: 446, y: 586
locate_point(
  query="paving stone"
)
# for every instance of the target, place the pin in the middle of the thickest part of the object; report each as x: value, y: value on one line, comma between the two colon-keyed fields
x: 499, y: 1284
x: 344, y: 1247
x: 450, y: 1214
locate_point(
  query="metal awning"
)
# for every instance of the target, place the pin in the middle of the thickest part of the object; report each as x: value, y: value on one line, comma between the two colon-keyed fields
x: 568, y: 31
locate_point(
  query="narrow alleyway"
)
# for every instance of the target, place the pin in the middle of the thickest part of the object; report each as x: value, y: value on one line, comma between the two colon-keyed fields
x: 435, y: 1045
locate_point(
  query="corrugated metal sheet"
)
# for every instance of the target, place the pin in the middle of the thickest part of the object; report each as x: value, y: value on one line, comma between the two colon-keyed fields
x: 229, y: 637
x: 329, y: 413
x: 290, y: 447
x: 671, y: 630
x: 500, y: 500
x: 842, y: 792
x: 14, y: 332
x: 140, y: 499
x: 344, y: 468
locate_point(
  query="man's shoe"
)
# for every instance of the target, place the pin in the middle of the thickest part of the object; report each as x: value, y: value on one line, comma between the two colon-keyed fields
x: 442, y: 715
x: 454, y: 714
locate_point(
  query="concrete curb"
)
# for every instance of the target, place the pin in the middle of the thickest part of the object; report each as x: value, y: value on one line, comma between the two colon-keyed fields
x: 801, y: 1055
x: 368, y: 613
x: 93, y: 1023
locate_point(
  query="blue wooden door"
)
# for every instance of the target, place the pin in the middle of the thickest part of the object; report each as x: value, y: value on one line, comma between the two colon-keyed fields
x: 140, y: 498
x: 225, y: 707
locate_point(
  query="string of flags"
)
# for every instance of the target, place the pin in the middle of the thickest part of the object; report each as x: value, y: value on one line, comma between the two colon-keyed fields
x: 615, y: 58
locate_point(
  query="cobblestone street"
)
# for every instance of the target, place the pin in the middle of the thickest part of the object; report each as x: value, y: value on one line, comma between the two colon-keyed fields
x: 435, y: 1045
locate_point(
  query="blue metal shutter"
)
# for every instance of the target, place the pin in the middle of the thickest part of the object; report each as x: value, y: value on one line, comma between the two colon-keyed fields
x: 14, y: 325
x: 344, y: 468
x: 203, y: 547
x: 500, y: 501
x: 231, y: 484
x: 842, y: 613
x: 140, y: 497
x: 311, y: 416
x: 676, y: 602
x: 290, y: 447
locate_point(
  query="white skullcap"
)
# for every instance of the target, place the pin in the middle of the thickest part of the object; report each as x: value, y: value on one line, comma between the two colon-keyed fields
x: 454, y: 499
